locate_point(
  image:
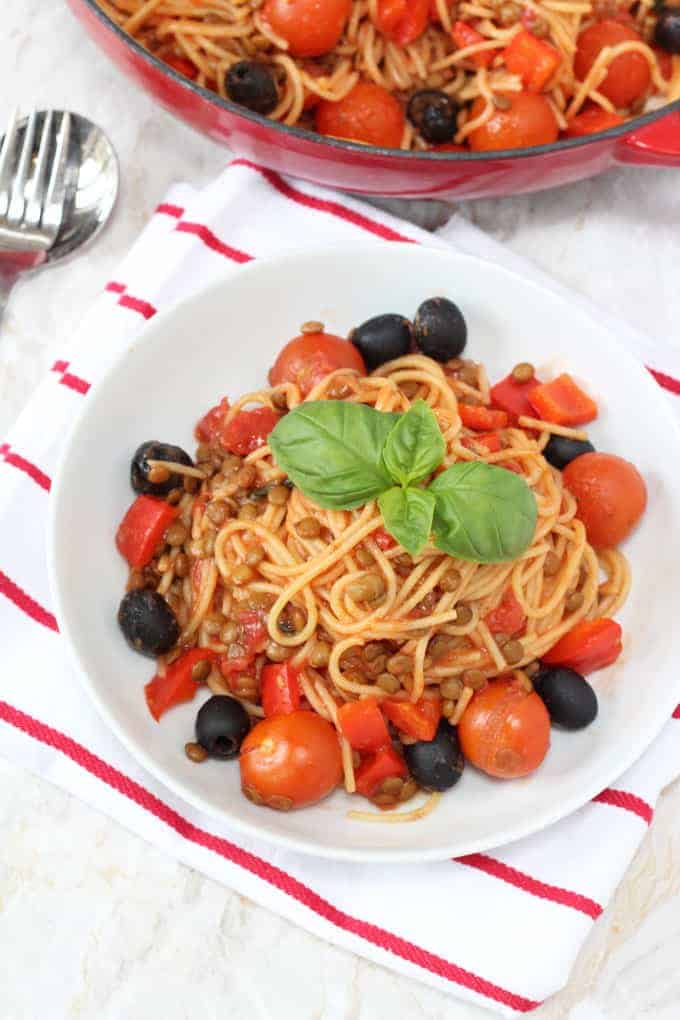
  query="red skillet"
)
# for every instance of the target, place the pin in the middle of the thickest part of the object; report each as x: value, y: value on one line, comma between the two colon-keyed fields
x: 650, y: 140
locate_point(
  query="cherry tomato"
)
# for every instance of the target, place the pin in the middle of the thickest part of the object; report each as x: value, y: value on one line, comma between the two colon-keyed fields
x: 449, y: 147
x: 628, y: 75
x: 368, y: 114
x: 248, y: 430
x: 290, y: 761
x: 310, y: 27
x: 309, y: 358
x: 528, y: 121
x: 384, y: 540
x: 209, y: 427
x: 182, y: 66
x: 611, y: 496
x: 505, y: 730
x: 403, y: 20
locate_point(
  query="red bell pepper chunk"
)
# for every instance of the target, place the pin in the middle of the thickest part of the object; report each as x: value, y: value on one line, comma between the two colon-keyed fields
x: 534, y: 60
x: 280, y: 689
x: 481, y: 419
x: 562, y: 402
x: 590, y: 121
x: 249, y: 430
x: 384, y: 540
x: 178, y: 685
x: 142, y: 528
x: 363, y: 725
x: 513, y: 397
x: 419, y: 720
x: 491, y: 440
x: 209, y: 428
x: 382, y: 765
x: 465, y: 35
x: 404, y: 21
x: 590, y: 645
x: 508, y: 616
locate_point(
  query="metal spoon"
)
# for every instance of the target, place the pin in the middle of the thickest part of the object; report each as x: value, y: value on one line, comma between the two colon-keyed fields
x: 91, y: 187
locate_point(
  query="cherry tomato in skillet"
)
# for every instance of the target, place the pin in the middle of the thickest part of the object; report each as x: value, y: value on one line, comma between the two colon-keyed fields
x: 529, y: 120
x: 368, y: 114
x: 403, y: 20
x: 628, y: 76
x: 611, y: 496
x: 290, y: 761
x: 505, y: 730
x: 310, y: 27
x: 309, y: 358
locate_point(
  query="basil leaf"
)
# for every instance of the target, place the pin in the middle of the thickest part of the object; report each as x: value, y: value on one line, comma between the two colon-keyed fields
x: 483, y: 513
x: 415, y: 446
x: 331, y: 450
x: 407, y: 514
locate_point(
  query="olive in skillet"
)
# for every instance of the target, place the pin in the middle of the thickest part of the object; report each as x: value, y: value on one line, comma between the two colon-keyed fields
x: 157, y: 481
x: 436, y: 764
x: 221, y: 726
x: 382, y: 339
x: 148, y: 622
x: 434, y: 114
x: 251, y: 84
x: 569, y: 698
x: 667, y: 29
x: 440, y: 329
x: 560, y: 450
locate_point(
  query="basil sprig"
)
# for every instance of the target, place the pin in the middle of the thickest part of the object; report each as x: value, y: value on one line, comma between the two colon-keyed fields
x: 342, y: 455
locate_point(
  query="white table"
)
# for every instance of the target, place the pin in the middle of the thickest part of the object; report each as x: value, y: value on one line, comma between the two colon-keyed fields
x: 93, y: 922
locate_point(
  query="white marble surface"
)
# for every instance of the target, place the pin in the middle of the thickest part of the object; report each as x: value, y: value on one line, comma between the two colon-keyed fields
x: 93, y: 922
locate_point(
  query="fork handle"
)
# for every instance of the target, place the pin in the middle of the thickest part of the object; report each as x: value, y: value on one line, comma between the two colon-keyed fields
x: 12, y: 265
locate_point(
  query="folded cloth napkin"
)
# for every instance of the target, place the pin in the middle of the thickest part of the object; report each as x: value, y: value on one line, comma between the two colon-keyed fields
x: 499, y: 929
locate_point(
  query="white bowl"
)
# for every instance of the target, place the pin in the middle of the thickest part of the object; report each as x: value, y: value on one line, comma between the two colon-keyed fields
x: 222, y: 342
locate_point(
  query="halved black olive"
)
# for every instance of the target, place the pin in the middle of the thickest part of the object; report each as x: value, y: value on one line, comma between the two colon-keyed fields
x: 221, y: 726
x: 382, y: 339
x: 251, y: 84
x: 435, y: 114
x: 569, y: 698
x: 560, y: 451
x: 667, y: 29
x: 436, y: 764
x: 139, y: 467
x: 440, y: 329
x: 148, y: 622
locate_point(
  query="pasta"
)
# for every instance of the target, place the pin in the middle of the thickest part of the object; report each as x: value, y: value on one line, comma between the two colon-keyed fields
x: 205, y: 38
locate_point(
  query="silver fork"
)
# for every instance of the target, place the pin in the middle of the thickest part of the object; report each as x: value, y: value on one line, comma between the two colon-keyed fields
x: 33, y: 194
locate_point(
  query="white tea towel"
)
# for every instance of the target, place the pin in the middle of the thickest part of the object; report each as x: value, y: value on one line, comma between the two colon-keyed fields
x: 501, y: 929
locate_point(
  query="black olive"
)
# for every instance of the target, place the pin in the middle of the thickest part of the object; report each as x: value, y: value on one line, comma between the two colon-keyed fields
x: 667, y: 29
x: 569, y: 698
x: 434, y: 114
x: 382, y: 339
x: 440, y: 329
x: 221, y: 725
x: 148, y: 622
x: 560, y: 451
x: 252, y: 85
x: 436, y: 764
x: 139, y: 468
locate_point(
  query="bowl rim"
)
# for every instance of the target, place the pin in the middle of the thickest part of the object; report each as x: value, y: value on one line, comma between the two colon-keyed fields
x: 343, y: 145
x: 300, y: 844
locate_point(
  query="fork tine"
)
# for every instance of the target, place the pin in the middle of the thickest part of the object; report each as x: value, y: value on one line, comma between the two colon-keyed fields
x: 18, y: 200
x: 37, y: 186
x: 56, y: 191
x: 8, y: 159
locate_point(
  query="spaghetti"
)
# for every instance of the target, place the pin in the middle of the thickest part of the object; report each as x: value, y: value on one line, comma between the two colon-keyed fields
x: 262, y: 581
x: 203, y: 39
